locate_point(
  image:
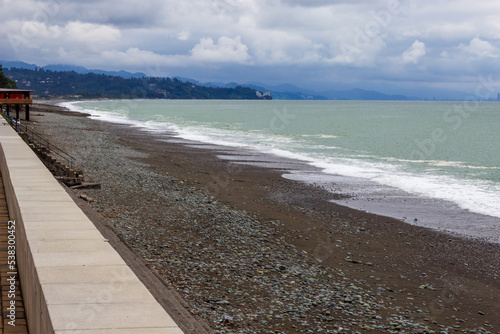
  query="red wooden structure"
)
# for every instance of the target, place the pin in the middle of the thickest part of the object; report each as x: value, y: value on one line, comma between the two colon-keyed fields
x: 16, y: 98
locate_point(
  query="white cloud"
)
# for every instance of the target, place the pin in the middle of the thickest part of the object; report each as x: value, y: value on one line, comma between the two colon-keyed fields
x: 414, y: 53
x: 134, y: 56
x: 480, y: 48
x: 32, y: 35
x: 91, y: 33
x: 34, y: 30
x: 304, y: 36
x: 281, y: 47
x: 183, y: 35
x: 227, y: 49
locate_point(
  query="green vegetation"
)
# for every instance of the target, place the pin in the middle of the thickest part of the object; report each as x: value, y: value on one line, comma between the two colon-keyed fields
x: 50, y: 84
x: 6, y: 82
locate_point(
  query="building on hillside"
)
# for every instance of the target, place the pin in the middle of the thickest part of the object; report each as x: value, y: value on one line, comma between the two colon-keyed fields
x: 263, y: 95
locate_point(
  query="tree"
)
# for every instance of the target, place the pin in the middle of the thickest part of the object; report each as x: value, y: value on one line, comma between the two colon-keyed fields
x: 6, y: 82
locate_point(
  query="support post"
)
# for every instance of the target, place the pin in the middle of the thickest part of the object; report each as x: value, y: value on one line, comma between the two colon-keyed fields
x: 8, y: 110
x: 17, y: 112
x: 27, y: 112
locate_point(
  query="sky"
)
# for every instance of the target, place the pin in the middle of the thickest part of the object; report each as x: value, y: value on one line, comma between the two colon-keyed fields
x: 394, y: 46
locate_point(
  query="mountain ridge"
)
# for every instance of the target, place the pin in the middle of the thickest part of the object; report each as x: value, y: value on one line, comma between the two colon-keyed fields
x: 284, y: 91
x: 69, y: 68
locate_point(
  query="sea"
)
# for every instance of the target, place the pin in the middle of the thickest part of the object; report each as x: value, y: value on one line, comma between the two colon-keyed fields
x: 433, y: 164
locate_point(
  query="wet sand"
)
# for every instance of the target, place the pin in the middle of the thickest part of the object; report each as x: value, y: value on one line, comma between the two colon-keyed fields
x: 252, y: 252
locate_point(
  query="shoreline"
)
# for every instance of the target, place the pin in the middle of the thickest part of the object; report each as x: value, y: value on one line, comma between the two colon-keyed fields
x: 387, y: 257
x: 438, y: 213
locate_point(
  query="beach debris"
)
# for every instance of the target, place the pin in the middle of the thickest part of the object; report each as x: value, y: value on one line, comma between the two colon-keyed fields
x: 86, y: 198
x: 86, y: 186
x: 226, y: 318
x: 358, y: 262
x: 428, y: 287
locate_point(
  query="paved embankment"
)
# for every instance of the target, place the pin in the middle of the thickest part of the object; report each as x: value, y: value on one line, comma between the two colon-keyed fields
x: 72, y: 279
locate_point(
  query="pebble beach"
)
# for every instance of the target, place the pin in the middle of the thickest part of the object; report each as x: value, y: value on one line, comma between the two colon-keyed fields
x: 252, y: 252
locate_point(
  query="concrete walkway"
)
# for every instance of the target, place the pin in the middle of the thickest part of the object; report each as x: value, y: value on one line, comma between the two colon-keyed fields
x: 72, y: 279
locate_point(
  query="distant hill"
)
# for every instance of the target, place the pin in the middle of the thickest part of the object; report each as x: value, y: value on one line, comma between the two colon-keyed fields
x: 18, y: 64
x: 292, y: 92
x: 361, y: 94
x: 83, y: 70
x: 69, y: 68
x: 281, y: 92
x: 70, y: 84
x: 284, y: 91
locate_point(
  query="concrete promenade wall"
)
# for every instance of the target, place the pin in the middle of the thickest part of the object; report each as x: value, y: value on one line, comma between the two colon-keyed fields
x: 73, y: 281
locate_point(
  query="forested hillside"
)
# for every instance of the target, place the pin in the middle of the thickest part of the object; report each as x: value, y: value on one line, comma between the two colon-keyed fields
x: 6, y: 82
x: 50, y: 84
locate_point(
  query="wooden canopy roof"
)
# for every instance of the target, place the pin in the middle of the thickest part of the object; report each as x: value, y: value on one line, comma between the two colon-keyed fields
x: 15, y: 96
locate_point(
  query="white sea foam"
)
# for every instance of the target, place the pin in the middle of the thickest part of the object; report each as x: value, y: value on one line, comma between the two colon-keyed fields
x: 474, y: 195
x: 119, y: 116
x: 441, y: 163
x: 320, y: 136
x: 106, y: 116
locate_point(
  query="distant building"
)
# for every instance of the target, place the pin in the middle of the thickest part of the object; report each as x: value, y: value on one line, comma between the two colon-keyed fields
x: 162, y: 91
x: 266, y: 94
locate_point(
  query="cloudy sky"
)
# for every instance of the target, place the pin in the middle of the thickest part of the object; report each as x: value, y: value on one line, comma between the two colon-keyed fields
x: 390, y: 45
